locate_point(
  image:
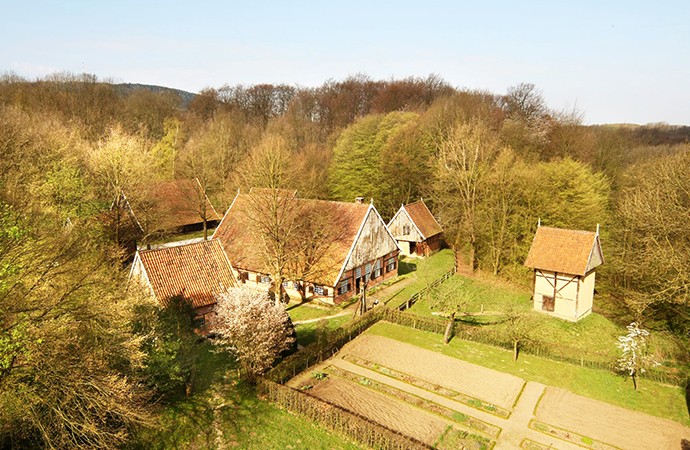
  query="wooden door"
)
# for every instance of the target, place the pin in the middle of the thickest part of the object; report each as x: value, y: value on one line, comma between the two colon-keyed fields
x: 547, y: 303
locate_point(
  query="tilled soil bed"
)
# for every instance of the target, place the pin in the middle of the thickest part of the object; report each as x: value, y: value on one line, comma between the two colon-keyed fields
x: 608, y: 423
x: 489, y: 385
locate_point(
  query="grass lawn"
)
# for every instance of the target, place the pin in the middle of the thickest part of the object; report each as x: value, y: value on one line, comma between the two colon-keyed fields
x: 651, y: 398
x: 422, y: 272
x: 308, y: 310
x: 309, y: 332
x: 593, y: 338
x: 223, y: 413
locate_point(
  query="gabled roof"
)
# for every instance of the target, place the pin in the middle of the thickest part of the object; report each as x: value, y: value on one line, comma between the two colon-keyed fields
x: 244, y: 244
x: 566, y: 251
x: 196, y: 271
x: 177, y: 203
x: 422, y: 218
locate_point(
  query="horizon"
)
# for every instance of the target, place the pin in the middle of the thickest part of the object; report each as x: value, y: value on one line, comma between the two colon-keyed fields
x: 619, y: 63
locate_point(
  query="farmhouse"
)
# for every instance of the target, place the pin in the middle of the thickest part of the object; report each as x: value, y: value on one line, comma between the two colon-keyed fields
x: 177, y: 205
x: 334, y: 247
x: 197, y: 272
x: 564, y: 262
x: 416, y: 230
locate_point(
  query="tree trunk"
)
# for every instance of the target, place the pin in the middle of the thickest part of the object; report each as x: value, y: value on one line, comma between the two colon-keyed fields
x: 634, y: 379
x: 516, y: 349
x: 205, y: 229
x: 449, y: 329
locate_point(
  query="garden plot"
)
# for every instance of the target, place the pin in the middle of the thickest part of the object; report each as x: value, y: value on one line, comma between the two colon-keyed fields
x: 607, y: 423
x: 488, y: 385
x: 390, y: 412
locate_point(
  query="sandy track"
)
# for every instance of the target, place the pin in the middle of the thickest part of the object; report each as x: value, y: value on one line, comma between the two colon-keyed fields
x: 395, y: 414
x: 608, y: 423
x: 499, y: 388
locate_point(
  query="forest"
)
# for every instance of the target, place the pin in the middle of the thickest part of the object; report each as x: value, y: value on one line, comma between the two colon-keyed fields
x: 490, y: 166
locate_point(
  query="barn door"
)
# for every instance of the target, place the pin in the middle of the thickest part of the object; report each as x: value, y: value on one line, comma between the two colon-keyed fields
x: 547, y: 303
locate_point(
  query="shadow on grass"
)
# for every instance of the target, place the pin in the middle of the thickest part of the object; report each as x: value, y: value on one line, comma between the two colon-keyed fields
x: 405, y: 267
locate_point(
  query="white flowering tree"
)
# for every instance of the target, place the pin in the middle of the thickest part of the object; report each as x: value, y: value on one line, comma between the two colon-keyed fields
x: 634, y: 359
x: 252, y: 326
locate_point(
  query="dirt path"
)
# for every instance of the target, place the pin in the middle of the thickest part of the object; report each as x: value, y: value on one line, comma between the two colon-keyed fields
x: 608, y: 423
x: 340, y: 314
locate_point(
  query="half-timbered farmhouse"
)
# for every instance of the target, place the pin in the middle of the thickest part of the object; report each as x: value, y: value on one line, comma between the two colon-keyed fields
x: 564, y: 262
x: 338, y: 246
x: 416, y: 230
x: 196, y: 272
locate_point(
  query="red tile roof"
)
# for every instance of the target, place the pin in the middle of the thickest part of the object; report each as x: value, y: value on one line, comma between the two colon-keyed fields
x: 196, y: 271
x: 423, y: 219
x: 244, y: 244
x: 177, y: 203
x: 566, y: 251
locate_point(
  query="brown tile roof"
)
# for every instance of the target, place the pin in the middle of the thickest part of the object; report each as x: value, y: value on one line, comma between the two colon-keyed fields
x: 243, y: 244
x: 567, y: 251
x: 196, y: 271
x: 176, y: 204
x: 423, y: 219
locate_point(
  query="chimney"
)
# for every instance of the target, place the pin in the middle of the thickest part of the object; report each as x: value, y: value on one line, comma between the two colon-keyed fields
x: 359, y: 200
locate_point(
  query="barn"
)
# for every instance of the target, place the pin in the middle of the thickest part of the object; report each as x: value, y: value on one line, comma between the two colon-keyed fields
x: 416, y: 230
x: 564, y: 263
x: 359, y: 248
x: 197, y: 272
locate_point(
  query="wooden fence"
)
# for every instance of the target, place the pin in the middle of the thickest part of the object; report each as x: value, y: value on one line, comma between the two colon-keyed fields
x: 413, y: 299
x: 337, y: 419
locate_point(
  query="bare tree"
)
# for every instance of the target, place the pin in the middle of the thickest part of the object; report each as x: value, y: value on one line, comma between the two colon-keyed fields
x: 253, y: 327
x: 463, y: 165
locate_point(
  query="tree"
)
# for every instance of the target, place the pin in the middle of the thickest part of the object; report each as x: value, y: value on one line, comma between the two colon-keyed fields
x: 253, y: 327
x: 464, y: 160
x: 121, y: 166
x: 449, y: 303
x: 169, y: 343
x: 67, y: 377
x: 362, y: 158
x: 634, y: 359
x: 519, y: 328
x: 652, y: 254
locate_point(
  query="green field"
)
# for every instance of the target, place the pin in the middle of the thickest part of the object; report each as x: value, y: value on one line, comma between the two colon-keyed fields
x: 421, y: 272
x: 652, y: 398
x: 225, y: 413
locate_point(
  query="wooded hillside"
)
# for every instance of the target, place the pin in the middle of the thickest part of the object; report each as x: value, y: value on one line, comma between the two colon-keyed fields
x: 488, y: 164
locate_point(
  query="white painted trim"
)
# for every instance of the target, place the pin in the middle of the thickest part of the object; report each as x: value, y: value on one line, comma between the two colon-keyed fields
x: 415, y: 225
x: 225, y: 215
x: 138, y: 259
x: 357, y: 236
x: 206, y: 197
x: 354, y: 242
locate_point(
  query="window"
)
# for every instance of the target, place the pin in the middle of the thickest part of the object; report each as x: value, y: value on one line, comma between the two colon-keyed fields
x: 265, y: 279
x: 343, y: 287
x: 244, y: 276
x: 286, y: 284
x: 377, y: 268
x: 406, y: 229
x: 547, y: 303
x: 296, y: 285
x: 358, y: 272
x: 318, y: 290
x: 391, y: 264
x: 367, y: 269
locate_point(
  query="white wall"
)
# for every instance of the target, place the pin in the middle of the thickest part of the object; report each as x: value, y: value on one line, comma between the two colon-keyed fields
x: 566, y: 295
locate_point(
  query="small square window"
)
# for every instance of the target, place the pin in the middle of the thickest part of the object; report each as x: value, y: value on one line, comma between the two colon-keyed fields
x: 318, y: 290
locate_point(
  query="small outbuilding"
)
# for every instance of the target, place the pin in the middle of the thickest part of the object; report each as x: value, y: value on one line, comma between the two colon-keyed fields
x: 564, y: 262
x: 416, y: 230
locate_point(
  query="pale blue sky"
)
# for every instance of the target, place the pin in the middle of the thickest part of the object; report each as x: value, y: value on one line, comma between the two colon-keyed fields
x: 615, y: 61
